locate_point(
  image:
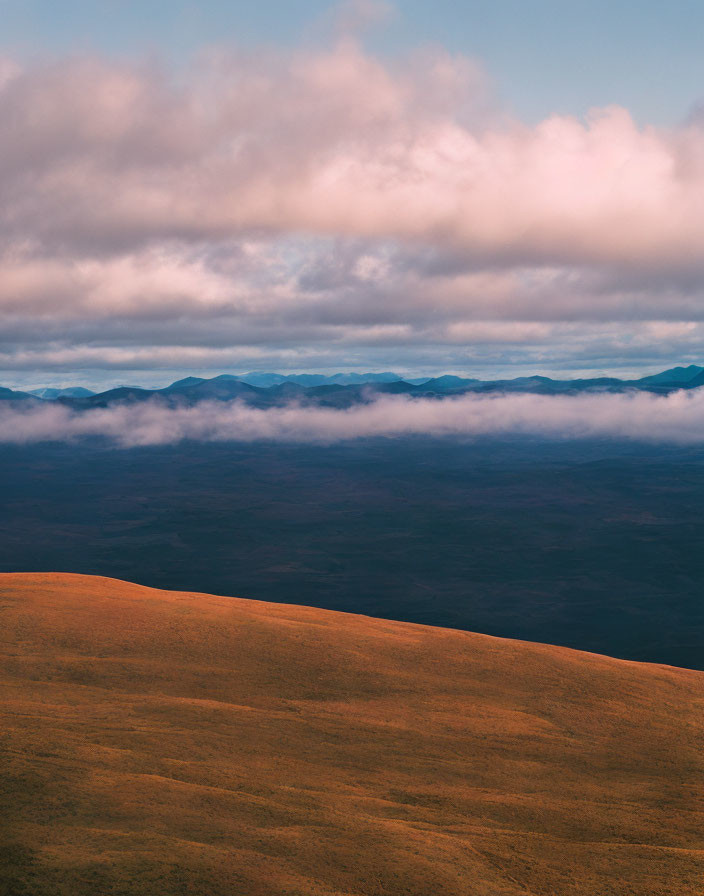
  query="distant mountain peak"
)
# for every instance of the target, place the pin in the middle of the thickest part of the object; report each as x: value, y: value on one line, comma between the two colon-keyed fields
x: 186, y: 383
x: 674, y: 375
x: 50, y: 394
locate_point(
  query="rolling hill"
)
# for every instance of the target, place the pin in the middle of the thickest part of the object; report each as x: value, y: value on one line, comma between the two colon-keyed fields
x: 176, y: 743
x: 49, y: 394
x: 12, y: 395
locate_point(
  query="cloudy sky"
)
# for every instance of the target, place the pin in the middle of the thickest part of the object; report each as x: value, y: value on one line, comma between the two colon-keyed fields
x: 297, y: 186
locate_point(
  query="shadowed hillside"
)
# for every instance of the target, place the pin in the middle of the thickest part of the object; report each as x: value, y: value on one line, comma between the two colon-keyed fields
x: 176, y: 743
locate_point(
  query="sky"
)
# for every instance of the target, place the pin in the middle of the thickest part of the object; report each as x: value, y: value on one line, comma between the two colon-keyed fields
x: 543, y: 56
x: 473, y: 188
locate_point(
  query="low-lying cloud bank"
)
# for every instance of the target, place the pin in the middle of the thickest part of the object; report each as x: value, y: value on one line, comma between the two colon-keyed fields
x: 677, y: 418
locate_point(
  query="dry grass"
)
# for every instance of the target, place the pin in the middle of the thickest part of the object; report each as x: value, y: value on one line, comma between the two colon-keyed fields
x: 164, y: 743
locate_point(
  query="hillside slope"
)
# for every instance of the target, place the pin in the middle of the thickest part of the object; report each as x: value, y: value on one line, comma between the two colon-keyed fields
x: 174, y: 743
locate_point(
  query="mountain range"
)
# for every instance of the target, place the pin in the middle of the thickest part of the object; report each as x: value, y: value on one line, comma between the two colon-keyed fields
x: 346, y: 389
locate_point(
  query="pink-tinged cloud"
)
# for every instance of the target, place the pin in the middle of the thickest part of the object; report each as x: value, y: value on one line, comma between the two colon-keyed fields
x: 338, y: 144
x: 271, y: 198
x: 677, y: 418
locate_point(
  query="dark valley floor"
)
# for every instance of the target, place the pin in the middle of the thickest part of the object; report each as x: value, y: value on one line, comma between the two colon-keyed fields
x: 597, y: 546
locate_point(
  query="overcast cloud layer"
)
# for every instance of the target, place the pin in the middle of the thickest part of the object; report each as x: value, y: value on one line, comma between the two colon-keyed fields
x: 326, y: 209
x: 677, y: 418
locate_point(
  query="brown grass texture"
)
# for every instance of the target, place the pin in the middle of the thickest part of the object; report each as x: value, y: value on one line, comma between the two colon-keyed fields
x: 158, y: 743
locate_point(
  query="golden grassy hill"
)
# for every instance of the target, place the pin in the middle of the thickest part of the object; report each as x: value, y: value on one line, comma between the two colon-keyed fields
x: 164, y: 743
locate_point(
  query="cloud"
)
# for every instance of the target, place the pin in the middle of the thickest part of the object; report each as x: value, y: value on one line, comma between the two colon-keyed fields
x: 278, y: 197
x: 514, y: 347
x: 677, y: 418
x: 337, y: 143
